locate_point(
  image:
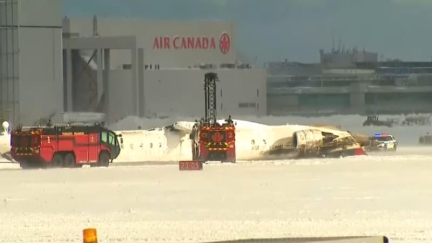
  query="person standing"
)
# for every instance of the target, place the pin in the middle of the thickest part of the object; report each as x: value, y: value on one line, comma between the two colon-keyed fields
x: 5, y: 125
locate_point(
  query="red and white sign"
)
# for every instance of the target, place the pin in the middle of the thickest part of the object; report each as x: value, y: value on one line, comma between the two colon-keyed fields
x: 190, y: 165
x: 193, y: 43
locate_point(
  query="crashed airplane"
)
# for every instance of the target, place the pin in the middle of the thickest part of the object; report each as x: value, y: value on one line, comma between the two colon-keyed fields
x: 254, y: 141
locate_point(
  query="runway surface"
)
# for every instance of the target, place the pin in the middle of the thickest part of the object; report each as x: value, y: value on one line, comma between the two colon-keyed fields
x: 381, y: 194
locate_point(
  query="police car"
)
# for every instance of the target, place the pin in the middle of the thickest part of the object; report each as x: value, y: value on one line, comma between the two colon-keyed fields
x: 383, y: 142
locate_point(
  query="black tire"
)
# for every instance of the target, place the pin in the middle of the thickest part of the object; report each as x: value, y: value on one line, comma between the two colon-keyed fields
x: 57, y: 161
x: 104, y: 159
x: 69, y: 161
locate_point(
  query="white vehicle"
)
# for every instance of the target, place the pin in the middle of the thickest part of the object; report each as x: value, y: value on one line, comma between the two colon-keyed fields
x: 254, y: 141
x: 383, y: 142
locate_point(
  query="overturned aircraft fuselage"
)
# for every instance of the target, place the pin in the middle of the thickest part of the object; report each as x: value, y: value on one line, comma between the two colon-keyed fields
x: 254, y: 141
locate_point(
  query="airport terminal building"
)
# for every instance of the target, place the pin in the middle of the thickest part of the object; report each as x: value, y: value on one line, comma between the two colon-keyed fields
x: 349, y: 82
x: 119, y: 67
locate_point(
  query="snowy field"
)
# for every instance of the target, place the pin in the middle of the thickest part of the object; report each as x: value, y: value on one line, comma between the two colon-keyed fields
x: 376, y: 195
x: 380, y: 194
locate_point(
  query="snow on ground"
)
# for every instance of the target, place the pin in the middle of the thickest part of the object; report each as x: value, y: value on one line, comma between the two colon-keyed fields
x: 375, y: 195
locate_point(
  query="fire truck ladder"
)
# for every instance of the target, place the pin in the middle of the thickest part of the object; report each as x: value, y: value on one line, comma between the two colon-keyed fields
x: 210, y: 98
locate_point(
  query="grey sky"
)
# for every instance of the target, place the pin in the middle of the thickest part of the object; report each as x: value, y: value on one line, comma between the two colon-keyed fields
x: 293, y: 29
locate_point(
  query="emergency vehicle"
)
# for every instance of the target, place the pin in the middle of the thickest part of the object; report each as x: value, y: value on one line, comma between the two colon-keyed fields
x: 213, y: 141
x: 64, y: 146
x: 383, y: 142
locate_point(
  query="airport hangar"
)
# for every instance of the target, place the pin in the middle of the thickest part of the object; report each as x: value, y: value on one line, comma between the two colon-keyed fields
x: 156, y: 68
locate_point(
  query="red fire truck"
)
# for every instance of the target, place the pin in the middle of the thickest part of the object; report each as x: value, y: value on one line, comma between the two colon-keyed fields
x: 213, y: 141
x: 64, y: 146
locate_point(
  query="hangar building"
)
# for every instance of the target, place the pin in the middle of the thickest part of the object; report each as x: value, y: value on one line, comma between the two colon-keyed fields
x: 170, y: 57
x: 30, y: 59
x: 119, y: 67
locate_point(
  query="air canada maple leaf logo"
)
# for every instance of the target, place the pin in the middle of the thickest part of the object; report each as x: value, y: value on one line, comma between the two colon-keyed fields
x: 217, y: 137
x: 224, y: 43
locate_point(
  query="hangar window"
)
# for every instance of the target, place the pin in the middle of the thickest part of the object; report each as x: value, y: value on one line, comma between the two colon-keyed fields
x: 257, y: 92
x: 247, y: 105
x: 221, y: 93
